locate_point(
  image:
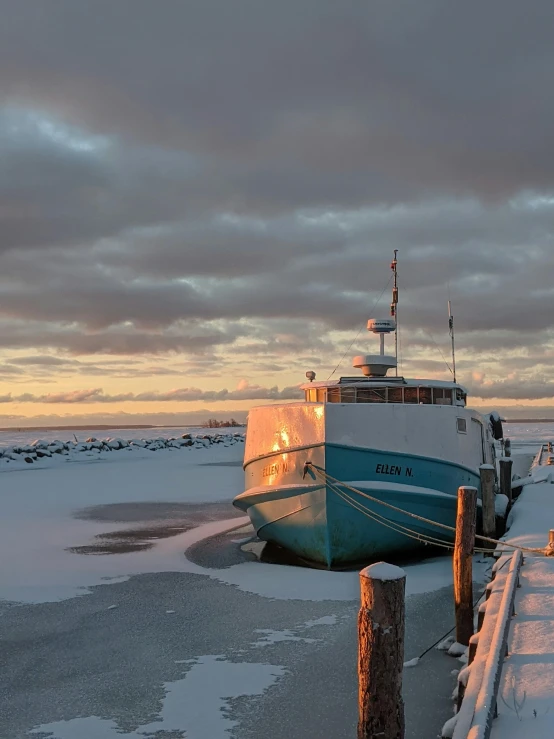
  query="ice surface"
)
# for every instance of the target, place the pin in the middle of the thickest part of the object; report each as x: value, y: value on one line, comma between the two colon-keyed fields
x: 195, y: 705
x: 38, y: 526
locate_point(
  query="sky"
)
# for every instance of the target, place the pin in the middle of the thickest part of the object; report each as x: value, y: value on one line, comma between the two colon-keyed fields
x: 199, y: 200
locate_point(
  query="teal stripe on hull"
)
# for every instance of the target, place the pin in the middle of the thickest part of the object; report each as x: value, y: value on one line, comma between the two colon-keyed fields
x: 351, y: 463
x: 315, y: 523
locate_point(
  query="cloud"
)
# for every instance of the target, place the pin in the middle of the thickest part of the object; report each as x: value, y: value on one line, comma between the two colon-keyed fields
x: 196, y: 179
x: 514, y: 387
x: 244, y: 391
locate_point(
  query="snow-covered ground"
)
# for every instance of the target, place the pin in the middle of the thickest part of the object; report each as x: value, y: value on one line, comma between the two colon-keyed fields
x: 46, y: 513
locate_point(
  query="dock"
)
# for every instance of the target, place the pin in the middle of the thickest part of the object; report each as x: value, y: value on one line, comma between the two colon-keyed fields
x: 510, y: 695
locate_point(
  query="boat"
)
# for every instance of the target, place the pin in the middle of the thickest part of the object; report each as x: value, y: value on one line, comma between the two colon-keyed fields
x: 359, y: 468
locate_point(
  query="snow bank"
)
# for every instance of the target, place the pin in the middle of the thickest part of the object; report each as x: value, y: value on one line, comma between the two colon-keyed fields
x: 46, y: 453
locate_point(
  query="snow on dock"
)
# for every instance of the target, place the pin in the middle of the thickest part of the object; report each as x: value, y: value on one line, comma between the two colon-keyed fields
x: 526, y: 678
x: 526, y: 693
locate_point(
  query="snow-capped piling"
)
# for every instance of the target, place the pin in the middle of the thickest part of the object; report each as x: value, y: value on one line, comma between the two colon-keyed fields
x: 488, y: 503
x: 381, y: 652
x: 505, y: 466
x: 462, y: 563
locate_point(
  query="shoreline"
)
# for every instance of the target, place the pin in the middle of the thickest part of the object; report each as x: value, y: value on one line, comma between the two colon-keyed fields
x: 109, y: 426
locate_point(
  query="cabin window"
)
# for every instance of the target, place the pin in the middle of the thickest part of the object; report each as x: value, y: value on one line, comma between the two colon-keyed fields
x: 396, y: 395
x: 333, y: 395
x: 348, y: 395
x: 461, y: 425
x: 442, y: 396
x: 321, y: 393
x: 410, y: 395
x: 372, y: 395
x: 461, y: 397
x: 425, y: 395
x: 311, y: 395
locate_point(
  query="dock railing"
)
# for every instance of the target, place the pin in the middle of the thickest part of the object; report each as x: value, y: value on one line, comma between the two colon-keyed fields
x: 487, y: 651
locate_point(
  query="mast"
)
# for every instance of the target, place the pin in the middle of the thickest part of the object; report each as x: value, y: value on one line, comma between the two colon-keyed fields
x: 394, y: 306
x: 451, y: 329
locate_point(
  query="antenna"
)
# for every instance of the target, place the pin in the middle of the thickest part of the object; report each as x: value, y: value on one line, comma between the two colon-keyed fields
x: 451, y: 329
x: 394, y: 306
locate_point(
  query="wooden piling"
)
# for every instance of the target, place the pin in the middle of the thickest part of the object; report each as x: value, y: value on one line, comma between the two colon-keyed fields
x: 463, y: 563
x: 506, y: 477
x: 549, y: 551
x: 381, y: 652
x: 487, y: 499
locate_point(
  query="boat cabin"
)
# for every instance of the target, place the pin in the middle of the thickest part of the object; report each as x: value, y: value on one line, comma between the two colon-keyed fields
x: 358, y: 390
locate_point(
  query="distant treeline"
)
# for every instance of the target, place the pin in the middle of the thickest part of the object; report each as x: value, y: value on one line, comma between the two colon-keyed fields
x: 213, y: 423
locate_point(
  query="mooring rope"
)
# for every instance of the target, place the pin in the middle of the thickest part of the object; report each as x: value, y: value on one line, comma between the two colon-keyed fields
x: 395, y: 526
x: 334, y: 482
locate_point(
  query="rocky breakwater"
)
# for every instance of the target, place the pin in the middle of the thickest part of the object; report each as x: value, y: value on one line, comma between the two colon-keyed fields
x: 41, y: 450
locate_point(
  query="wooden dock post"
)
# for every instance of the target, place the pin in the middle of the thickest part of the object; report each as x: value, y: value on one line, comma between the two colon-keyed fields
x: 487, y: 499
x: 506, y: 477
x: 381, y: 652
x: 463, y: 563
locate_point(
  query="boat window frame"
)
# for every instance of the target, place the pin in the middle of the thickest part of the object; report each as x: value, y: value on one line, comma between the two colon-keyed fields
x: 461, y: 425
x: 418, y: 394
x: 445, y: 394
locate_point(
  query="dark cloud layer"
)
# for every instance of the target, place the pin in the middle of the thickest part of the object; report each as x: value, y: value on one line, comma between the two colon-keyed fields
x: 213, y: 177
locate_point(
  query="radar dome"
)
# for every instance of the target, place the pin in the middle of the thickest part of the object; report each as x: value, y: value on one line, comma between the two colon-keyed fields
x: 381, y: 325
